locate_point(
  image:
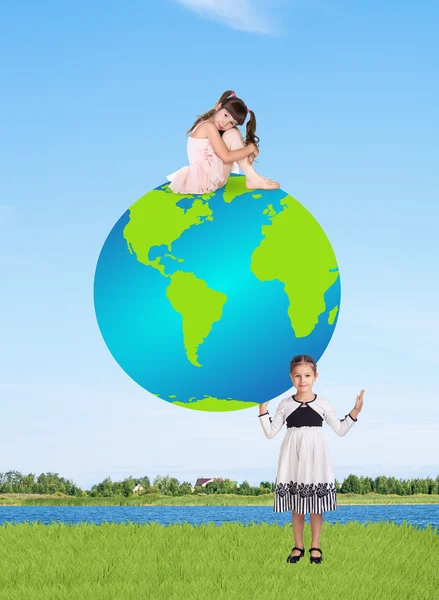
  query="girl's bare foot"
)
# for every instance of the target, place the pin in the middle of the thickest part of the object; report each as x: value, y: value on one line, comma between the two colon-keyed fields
x: 260, y: 183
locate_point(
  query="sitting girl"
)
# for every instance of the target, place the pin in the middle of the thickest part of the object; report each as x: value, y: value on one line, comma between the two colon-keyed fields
x: 216, y: 148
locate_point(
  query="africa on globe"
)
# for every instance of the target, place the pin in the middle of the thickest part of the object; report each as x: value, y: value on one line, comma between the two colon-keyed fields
x: 204, y: 299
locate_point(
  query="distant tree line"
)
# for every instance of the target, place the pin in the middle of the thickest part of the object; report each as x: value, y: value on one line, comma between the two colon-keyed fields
x: 14, y: 482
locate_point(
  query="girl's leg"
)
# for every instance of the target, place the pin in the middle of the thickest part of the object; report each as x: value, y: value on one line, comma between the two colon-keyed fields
x: 234, y: 140
x: 316, y: 521
x: 298, y: 525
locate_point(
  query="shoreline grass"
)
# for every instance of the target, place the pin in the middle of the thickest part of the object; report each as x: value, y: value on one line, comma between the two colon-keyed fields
x: 204, y: 500
x: 233, y: 562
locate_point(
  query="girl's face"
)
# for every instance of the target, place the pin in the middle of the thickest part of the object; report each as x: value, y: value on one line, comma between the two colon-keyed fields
x: 223, y: 120
x: 303, y: 377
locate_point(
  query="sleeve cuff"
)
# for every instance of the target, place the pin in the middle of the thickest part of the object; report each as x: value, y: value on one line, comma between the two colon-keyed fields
x: 349, y: 415
x: 263, y: 415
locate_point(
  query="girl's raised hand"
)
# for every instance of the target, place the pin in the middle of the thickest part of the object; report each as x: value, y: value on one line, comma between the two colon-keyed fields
x: 359, y: 402
x: 263, y: 408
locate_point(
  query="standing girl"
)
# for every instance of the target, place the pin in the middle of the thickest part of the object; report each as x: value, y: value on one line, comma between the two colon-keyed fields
x: 305, y: 481
x: 216, y: 148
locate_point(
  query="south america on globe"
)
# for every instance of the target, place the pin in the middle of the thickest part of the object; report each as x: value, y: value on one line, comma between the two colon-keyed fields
x: 203, y: 300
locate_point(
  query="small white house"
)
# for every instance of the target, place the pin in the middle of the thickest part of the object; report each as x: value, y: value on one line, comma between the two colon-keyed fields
x: 203, y: 481
x: 138, y: 489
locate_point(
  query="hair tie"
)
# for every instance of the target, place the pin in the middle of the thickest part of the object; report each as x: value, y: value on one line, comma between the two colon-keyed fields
x: 233, y: 95
x: 248, y: 110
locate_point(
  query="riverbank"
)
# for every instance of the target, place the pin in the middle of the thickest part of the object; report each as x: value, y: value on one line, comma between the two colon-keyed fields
x: 203, y: 500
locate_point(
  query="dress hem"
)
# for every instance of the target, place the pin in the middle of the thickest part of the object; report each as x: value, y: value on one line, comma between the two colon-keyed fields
x: 305, y: 498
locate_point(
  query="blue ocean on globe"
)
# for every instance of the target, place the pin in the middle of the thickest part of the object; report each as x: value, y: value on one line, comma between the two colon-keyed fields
x: 203, y: 300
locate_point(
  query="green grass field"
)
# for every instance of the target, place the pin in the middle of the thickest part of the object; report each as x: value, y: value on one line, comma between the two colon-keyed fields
x: 202, y: 500
x: 234, y: 561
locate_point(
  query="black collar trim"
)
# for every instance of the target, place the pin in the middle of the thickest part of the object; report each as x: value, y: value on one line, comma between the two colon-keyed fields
x: 302, y: 402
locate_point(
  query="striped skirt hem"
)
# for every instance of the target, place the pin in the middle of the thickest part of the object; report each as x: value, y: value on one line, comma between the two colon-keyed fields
x: 308, y: 499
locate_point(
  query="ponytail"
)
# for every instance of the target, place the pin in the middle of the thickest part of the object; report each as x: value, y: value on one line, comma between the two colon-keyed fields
x: 251, y: 137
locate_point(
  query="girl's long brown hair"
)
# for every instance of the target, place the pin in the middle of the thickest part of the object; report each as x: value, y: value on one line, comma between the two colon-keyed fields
x: 238, y: 109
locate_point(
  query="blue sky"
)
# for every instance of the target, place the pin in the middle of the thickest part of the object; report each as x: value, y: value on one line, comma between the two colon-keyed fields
x: 96, y: 99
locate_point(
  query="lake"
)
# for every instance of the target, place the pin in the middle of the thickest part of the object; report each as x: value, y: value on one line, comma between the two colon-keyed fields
x: 419, y: 515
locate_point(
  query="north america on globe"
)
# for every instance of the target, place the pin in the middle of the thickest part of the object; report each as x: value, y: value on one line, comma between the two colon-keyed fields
x: 204, y: 299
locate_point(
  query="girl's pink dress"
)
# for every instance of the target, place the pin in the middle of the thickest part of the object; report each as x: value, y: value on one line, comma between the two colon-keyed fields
x: 205, y: 172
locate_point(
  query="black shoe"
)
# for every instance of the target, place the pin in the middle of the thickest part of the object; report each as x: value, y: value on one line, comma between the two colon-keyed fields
x: 316, y: 559
x: 294, y: 559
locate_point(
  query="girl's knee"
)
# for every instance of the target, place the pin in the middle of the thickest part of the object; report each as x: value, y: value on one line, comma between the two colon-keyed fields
x: 234, y: 132
x: 233, y: 136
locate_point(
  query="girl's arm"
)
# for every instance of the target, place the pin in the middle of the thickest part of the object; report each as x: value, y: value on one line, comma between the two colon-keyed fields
x: 340, y: 426
x: 272, y: 427
x: 221, y: 150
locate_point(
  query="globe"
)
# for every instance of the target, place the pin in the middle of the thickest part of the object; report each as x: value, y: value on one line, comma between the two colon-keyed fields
x: 203, y: 300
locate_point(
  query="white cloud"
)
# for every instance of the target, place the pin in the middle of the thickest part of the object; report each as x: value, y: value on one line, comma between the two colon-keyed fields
x: 243, y: 15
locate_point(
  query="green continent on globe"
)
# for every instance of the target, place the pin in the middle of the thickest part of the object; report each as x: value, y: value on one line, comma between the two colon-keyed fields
x: 306, y: 279
x: 210, y: 404
x: 200, y: 307
x: 332, y: 314
x: 156, y: 220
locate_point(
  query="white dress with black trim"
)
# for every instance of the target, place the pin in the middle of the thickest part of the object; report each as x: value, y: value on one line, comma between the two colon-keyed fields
x: 305, y: 481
